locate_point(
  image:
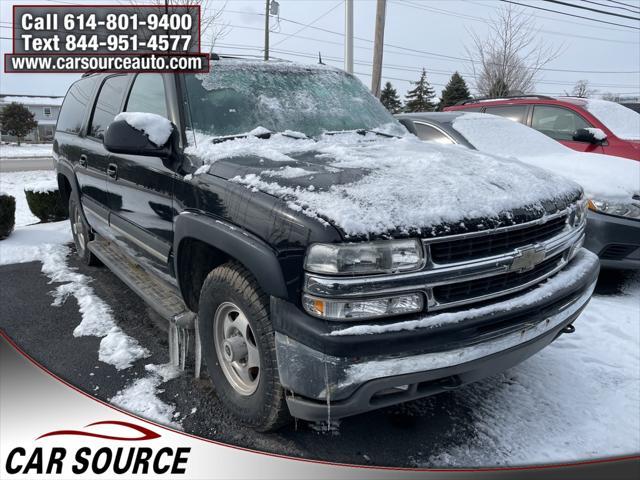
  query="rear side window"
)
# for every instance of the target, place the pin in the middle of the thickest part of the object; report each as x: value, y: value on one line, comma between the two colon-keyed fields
x: 431, y: 134
x: 107, y: 105
x: 147, y: 95
x: 75, y: 105
x: 557, y: 122
x: 512, y: 112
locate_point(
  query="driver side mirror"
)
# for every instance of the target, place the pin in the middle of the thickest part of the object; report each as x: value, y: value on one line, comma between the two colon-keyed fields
x: 137, y: 133
x: 590, y: 135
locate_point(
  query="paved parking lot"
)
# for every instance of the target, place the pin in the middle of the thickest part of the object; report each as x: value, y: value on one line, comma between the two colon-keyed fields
x: 511, y: 418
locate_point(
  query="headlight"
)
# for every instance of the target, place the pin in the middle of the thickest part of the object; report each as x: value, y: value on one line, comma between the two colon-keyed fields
x: 364, y: 258
x: 364, y: 308
x: 619, y: 209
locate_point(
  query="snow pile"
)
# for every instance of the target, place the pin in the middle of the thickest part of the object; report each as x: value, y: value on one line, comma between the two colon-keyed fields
x: 622, y: 121
x: 44, y: 101
x: 26, y: 150
x: 13, y: 183
x: 43, y: 186
x: 601, y: 176
x: 141, y: 397
x: 577, y: 399
x: 583, y: 262
x: 404, y: 185
x: 288, y: 172
x: 156, y: 127
x: 31, y: 243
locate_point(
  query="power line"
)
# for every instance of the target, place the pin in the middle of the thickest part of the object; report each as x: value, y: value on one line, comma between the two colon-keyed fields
x: 603, y: 12
x: 309, y: 24
x: 484, y: 21
x: 623, y: 3
x: 569, y: 14
x: 611, y: 6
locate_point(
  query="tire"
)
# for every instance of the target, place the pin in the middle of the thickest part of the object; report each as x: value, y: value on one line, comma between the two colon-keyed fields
x: 81, y: 234
x: 234, y: 324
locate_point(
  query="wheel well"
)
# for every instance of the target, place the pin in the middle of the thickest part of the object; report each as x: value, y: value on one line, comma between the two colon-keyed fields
x: 64, y: 187
x: 195, y: 260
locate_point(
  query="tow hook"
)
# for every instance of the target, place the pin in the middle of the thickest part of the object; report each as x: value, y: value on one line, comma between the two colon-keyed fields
x: 569, y: 329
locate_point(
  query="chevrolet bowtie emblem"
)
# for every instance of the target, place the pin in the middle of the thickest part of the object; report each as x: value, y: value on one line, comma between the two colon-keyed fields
x: 526, y: 258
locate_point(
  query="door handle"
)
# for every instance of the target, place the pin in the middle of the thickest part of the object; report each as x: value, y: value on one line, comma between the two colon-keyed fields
x: 112, y: 170
x: 83, y: 160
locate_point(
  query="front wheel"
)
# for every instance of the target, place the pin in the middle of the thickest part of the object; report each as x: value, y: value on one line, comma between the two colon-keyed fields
x: 81, y: 234
x: 238, y: 346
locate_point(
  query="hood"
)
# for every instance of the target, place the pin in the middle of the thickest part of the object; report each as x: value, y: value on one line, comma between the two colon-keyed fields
x: 372, y: 186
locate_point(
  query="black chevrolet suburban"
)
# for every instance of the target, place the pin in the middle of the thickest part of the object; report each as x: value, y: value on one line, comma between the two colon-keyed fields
x: 321, y: 261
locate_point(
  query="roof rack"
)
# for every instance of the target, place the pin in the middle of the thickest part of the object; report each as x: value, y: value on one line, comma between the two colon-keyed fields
x: 506, y: 97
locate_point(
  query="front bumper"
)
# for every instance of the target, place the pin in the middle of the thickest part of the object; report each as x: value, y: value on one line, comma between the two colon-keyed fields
x: 404, y: 360
x: 615, y: 240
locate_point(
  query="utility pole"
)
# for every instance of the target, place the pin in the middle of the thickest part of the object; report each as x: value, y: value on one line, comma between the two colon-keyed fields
x: 266, y: 30
x: 348, y: 36
x: 378, y: 46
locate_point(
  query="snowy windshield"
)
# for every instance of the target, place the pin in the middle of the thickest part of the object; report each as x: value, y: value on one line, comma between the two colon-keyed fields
x: 622, y: 121
x: 235, y: 97
x: 500, y: 136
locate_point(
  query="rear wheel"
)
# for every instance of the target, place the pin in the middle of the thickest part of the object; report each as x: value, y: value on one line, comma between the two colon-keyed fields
x: 239, y: 349
x: 81, y: 234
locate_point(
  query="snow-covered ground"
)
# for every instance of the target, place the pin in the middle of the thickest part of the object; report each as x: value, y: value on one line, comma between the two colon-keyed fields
x: 14, y: 183
x: 579, y: 398
x: 48, y: 243
x: 26, y: 150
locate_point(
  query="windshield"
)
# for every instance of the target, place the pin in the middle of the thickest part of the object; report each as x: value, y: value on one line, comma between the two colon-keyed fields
x: 236, y: 97
x: 501, y: 136
x: 622, y: 121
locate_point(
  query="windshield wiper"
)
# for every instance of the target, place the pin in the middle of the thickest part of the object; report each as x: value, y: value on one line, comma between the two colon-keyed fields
x: 361, y: 131
x: 263, y: 135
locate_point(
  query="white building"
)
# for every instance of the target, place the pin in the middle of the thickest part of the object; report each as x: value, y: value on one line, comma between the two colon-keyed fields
x: 45, y: 109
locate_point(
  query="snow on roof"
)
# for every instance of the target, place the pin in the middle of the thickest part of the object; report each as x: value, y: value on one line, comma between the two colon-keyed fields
x: 602, y: 176
x: 31, y: 100
x: 406, y: 185
x: 622, y: 121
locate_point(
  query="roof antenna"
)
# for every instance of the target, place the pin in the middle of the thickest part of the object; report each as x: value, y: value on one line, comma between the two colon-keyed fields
x: 320, y: 58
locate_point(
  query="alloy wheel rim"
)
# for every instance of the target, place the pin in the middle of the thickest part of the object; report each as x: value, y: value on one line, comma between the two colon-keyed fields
x: 236, y: 348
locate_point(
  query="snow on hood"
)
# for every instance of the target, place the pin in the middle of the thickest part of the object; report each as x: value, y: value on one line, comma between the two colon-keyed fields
x: 392, y: 184
x: 622, y: 121
x: 601, y: 176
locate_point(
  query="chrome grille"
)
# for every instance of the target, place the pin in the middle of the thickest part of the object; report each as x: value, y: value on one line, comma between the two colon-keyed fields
x: 495, y: 243
x: 456, y: 292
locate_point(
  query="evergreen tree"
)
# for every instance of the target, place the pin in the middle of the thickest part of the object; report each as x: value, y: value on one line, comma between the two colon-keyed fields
x: 419, y: 99
x: 389, y: 98
x: 455, y: 91
x: 17, y: 120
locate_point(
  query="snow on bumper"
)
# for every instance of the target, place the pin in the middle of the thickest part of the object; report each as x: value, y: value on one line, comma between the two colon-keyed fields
x: 320, y: 377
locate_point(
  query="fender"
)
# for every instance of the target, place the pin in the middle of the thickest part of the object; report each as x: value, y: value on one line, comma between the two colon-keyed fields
x: 256, y: 255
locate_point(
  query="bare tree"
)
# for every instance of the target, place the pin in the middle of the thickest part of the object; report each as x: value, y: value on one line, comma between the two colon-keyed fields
x: 581, y: 89
x: 510, y: 57
x: 212, y: 28
x: 612, y: 97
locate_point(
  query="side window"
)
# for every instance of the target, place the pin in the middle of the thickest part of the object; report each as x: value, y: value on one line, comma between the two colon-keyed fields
x: 75, y: 105
x: 147, y: 95
x: 430, y: 134
x: 512, y: 112
x: 107, y: 105
x: 557, y: 122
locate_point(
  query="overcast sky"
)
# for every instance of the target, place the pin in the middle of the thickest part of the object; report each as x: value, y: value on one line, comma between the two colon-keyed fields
x: 419, y: 33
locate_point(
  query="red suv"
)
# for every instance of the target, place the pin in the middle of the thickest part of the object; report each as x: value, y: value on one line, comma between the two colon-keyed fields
x: 583, y: 124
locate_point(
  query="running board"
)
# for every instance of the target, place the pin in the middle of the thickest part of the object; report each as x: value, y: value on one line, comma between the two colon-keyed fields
x: 159, y: 296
